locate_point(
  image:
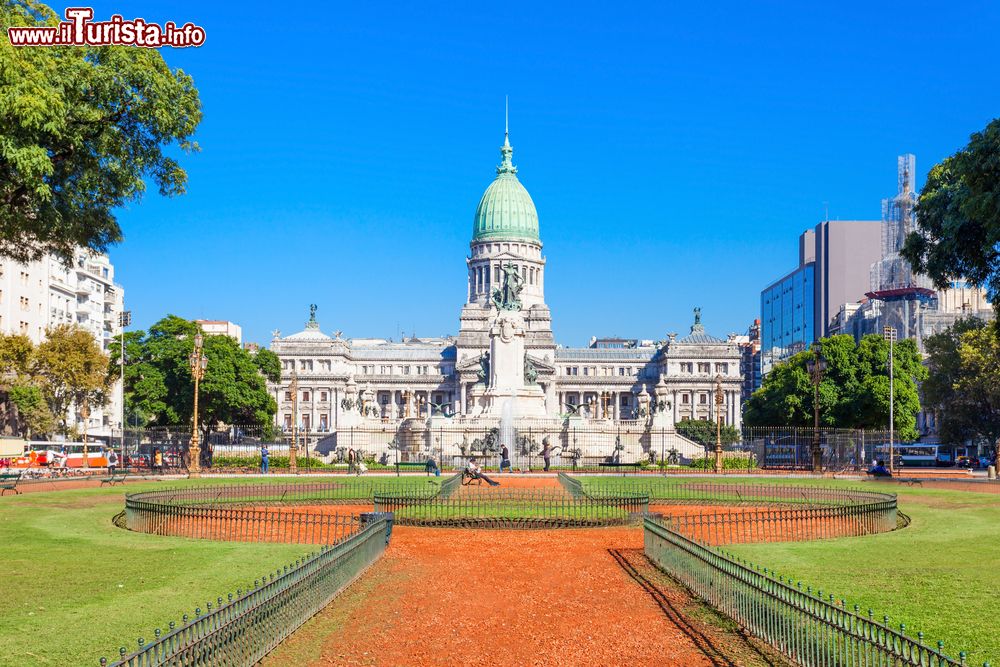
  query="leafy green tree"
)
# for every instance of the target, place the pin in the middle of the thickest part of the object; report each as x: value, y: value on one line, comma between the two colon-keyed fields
x: 703, y: 432
x: 33, y: 414
x: 854, y: 391
x: 71, y: 369
x: 963, y: 401
x: 964, y: 383
x: 159, y: 385
x: 81, y: 128
x: 958, y: 217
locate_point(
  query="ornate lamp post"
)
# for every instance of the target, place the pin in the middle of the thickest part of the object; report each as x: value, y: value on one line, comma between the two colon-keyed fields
x: 719, y: 400
x: 198, y: 363
x: 293, y: 463
x: 816, y: 366
x: 889, y: 333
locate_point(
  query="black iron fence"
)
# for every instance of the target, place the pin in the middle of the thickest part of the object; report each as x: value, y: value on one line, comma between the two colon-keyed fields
x: 588, y: 446
x: 809, y: 628
x: 479, y: 507
x: 245, y: 626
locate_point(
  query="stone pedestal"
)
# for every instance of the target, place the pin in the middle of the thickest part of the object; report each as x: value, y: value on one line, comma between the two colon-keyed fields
x: 508, y: 367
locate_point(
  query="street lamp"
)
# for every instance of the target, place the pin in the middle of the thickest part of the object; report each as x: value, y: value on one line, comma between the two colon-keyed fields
x: 293, y: 463
x: 198, y: 363
x: 719, y: 399
x: 816, y: 366
x: 889, y: 333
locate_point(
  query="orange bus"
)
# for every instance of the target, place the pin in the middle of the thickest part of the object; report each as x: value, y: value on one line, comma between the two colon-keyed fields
x: 61, y: 455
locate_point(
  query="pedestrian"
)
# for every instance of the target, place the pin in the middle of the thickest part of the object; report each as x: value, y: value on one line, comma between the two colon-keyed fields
x: 352, y: 461
x: 432, y: 467
x: 505, y: 459
x: 112, y: 462
x: 546, y: 453
x: 265, y: 459
x: 157, y: 461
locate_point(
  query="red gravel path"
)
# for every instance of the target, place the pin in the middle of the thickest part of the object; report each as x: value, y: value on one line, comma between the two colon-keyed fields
x: 461, y: 597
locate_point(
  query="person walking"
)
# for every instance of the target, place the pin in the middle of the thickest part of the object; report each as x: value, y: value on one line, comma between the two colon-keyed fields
x: 158, y: 461
x: 265, y: 459
x: 112, y: 462
x: 352, y: 461
x: 505, y: 459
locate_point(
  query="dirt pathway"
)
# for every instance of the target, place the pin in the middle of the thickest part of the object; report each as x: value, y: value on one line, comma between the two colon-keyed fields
x: 467, y: 597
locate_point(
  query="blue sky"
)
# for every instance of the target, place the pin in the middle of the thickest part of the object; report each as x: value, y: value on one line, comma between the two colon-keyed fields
x: 674, y: 152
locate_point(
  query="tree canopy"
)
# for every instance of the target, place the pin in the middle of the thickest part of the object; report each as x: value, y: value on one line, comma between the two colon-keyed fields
x: 958, y: 217
x: 703, y: 432
x: 963, y: 387
x: 80, y: 130
x: 854, y: 392
x: 159, y: 387
x: 43, y: 382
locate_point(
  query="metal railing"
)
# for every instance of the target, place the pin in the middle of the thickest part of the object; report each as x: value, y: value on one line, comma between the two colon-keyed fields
x: 255, y: 512
x: 706, y: 490
x: 245, y: 627
x: 803, y: 625
x: 512, y: 508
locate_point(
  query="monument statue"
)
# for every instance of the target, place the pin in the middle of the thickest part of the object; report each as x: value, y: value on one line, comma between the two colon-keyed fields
x: 312, y: 312
x: 483, y: 374
x: 697, y: 315
x: 530, y: 372
x: 508, y: 296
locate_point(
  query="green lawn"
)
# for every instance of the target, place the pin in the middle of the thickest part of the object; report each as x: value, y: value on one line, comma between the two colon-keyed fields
x: 939, y: 576
x: 75, y: 587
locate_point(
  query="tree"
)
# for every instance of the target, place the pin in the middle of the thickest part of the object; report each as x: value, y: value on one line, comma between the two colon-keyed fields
x: 963, y: 387
x: 159, y: 386
x: 958, y: 217
x: 24, y: 406
x: 703, y: 432
x: 33, y: 414
x: 854, y: 391
x: 71, y: 369
x: 80, y: 130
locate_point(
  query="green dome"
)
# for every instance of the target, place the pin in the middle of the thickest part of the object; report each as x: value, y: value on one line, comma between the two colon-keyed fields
x: 506, y: 210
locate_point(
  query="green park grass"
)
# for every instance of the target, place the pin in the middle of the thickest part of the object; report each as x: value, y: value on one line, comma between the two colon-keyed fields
x: 75, y: 587
x: 939, y: 576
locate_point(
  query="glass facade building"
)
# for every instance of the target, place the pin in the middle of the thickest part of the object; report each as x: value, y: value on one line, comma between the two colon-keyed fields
x: 787, y: 313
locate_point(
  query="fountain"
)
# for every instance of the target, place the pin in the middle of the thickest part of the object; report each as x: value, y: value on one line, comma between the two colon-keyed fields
x: 507, y: 431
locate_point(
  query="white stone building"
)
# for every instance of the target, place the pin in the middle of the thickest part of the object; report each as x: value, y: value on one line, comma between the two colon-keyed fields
x: 47, y: 293
x: 454, y: 383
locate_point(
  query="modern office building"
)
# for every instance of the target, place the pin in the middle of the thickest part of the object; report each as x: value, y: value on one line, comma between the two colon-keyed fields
x: 221, y: 328
x: 834, y: 262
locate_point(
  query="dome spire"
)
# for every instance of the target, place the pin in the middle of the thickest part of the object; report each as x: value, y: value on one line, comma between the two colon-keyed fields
x: 507, y: 151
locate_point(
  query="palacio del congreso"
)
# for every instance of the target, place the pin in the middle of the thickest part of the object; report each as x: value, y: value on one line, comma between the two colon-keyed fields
x: 503, y: 379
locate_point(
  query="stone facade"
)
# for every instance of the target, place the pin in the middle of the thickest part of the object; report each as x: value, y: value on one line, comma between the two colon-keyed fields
x: 349, y: 383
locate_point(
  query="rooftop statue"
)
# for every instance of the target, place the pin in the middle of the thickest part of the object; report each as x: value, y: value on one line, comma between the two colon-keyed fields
x: 508, y: 297
x: 697, y: 315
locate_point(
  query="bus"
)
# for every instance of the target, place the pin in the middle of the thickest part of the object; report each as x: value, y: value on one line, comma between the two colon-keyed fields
x: 50, y: 455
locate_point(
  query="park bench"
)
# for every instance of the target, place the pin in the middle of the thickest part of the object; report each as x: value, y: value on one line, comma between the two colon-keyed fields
x: 8, y: 482
x: 116, y: 478
x: 909, y: 481
x: 468, y: 478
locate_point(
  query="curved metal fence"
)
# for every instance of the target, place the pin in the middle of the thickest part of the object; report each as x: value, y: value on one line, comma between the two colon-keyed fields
x: 245, y: 627
x: 809, y: 628
x: 511, y: 508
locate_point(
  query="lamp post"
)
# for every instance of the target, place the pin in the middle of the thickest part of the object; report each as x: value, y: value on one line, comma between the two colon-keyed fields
x: 293, y: 463
x: 816, y: 366
x: 198, y: 363
x: 124, y: 319
x: 719, y: 399
x: 889, y: 333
